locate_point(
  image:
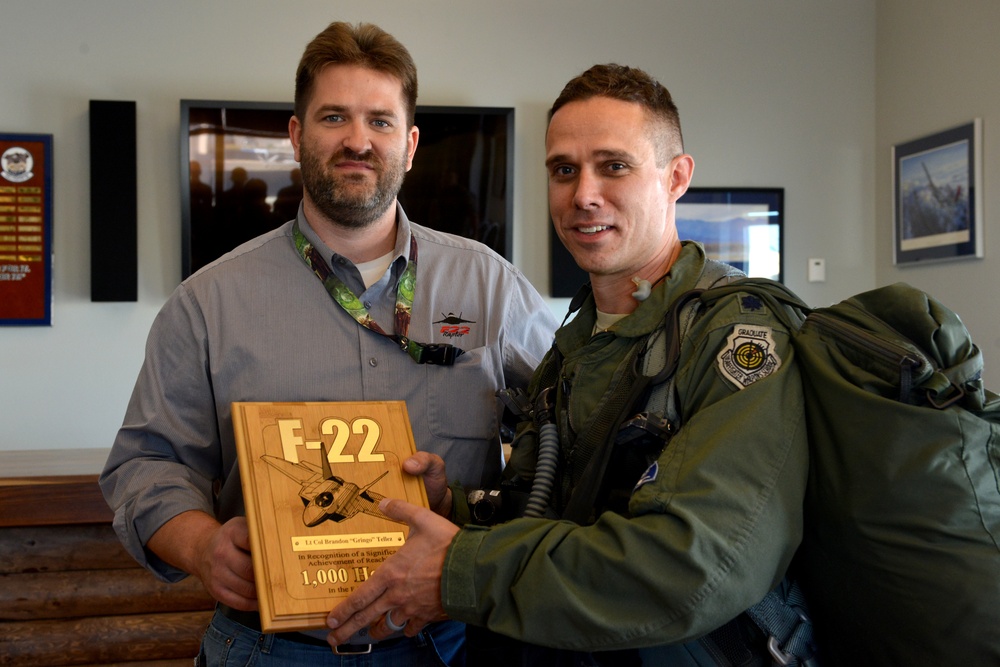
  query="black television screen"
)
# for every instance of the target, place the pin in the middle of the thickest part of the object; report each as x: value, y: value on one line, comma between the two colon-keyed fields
x: 239, y: 175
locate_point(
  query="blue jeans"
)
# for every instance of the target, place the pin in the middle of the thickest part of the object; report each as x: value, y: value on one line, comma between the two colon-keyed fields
x: 229, y: 644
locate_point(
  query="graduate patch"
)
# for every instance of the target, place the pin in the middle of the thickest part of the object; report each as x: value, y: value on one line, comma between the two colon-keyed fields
x: 748, y: 355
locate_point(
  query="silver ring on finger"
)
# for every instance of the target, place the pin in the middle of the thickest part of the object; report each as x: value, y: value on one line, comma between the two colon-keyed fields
x: 391, y: 624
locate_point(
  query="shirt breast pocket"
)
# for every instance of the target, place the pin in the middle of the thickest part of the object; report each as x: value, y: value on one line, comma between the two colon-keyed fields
x: 461, y: 398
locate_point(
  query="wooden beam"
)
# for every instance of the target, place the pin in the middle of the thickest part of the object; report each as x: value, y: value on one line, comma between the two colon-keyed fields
x: 47, y: 501
x: 103, y: 640
x: 61, y: 548
x: 96, y: 593
x: 179, y: 662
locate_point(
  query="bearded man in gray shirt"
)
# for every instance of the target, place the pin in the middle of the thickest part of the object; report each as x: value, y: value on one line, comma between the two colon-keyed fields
x: 259, y: 324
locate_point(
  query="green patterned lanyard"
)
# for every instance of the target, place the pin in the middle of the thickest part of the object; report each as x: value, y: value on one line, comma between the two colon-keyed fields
x: 422, y: 353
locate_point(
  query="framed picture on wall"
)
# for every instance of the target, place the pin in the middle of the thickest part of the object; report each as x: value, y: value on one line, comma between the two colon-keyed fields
x: 937, y: 196
x: 26, y: 229
x: 739, y: 226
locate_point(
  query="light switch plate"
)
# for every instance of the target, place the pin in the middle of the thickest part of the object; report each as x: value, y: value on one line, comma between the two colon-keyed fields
x: 817, y: 270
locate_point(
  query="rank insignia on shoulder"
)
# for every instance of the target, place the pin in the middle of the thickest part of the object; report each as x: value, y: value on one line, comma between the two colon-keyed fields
x: 748, y: 355
x: 750, y: 303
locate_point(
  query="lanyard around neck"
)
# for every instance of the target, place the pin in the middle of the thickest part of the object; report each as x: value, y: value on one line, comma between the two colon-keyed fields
x: 438, y: 354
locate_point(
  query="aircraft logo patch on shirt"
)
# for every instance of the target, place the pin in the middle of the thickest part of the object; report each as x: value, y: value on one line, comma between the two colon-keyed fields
x: 453, y: 326
x: 748, y: 355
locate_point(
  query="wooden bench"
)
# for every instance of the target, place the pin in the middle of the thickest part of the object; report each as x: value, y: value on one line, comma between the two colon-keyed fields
x: 71, y: 595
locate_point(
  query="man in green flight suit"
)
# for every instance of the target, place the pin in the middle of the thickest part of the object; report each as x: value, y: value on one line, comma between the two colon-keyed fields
x: 646, y: 555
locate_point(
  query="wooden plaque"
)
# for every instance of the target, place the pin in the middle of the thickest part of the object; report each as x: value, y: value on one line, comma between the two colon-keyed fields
x: 26, y: 229
x: 313, y: 475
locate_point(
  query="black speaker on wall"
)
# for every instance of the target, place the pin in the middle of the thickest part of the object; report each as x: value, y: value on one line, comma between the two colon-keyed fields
x: 113, y: 202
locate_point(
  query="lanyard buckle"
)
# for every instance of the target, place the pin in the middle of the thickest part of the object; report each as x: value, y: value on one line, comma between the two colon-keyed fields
x: 435, y: 354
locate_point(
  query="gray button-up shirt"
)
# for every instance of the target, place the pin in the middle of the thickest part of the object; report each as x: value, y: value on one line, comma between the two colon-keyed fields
x: 258, y: 325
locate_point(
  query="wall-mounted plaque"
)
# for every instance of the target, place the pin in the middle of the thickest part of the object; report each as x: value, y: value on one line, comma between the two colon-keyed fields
x: 313, y: 475
x: 25, y: 229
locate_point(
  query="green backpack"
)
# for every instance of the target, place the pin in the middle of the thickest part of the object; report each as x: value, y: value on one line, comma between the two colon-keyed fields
x: 900, y: 561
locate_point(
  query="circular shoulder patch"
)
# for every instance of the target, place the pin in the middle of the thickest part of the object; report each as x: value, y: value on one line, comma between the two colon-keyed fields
x: 748, y: 355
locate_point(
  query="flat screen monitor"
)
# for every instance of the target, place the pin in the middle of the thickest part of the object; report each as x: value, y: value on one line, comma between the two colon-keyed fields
x: 740, y: 226
x: 239, y: 175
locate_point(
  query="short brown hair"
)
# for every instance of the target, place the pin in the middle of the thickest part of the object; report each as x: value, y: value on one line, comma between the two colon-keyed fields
x: 630, y: 84
x: 363, y: 44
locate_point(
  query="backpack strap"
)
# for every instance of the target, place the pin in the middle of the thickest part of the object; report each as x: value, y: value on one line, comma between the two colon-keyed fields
x: 782, y: 614
x: 662, y: 350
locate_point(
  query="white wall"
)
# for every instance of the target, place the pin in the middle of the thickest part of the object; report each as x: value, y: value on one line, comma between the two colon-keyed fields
x: 936, y: 70
x: 771, y: 93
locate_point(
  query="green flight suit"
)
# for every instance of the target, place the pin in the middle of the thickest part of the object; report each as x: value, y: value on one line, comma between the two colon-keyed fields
x: 711, y: 530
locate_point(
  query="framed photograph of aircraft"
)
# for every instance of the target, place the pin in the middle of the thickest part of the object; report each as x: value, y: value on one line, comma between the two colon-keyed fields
x: 937, y: 196
x: 313, y: 476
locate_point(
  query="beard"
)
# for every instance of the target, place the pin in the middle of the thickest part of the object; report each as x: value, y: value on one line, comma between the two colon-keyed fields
x: 348, y: 200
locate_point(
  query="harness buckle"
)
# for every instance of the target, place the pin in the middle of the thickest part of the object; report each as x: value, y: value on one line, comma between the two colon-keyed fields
x: 516, y: 400
x: 643, y: 424
x: 780, y: 657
